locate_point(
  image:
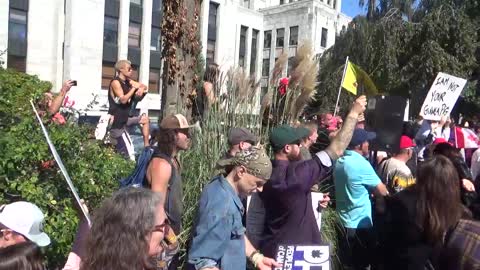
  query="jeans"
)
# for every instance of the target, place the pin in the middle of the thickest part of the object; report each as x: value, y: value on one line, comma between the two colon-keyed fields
x: 357, y: 248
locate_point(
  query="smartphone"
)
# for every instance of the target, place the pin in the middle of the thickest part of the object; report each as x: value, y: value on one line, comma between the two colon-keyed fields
x: 74, y: 83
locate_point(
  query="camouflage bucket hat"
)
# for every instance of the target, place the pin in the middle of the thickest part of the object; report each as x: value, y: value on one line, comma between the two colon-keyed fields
x: 254, y: 159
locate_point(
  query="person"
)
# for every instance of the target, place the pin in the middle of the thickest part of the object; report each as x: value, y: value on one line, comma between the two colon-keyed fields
x: 50, y: 105
x: 239, y: 139
x: 308, y: 141
x: 475, y: 164
x: 127, y: 232
x: 219, y: 240
x: 287, y: 196
x: 22, y: 222
x: 205, y: 97
x: 419, y: 216
x: 21, y: 256
x: 355, y: 179
x: 122, y: 93
x: 394, y: 171
x: 164, y: 170
x: 461, y: 246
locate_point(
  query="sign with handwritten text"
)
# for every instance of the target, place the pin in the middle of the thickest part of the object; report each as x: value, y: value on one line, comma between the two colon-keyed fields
x: 298, y: 257
x: 442, y: 96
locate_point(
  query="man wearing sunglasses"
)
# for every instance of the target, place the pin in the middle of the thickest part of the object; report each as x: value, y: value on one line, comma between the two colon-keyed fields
x: 21, y: 222
x: 123, y: 95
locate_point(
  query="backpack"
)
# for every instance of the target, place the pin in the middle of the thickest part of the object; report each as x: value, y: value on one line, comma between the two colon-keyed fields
x: 137, y: 178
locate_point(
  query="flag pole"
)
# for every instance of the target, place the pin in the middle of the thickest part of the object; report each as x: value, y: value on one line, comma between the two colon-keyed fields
x: 340, y: 88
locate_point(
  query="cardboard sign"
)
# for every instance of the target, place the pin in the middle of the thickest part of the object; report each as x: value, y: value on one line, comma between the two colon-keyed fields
x: 442, y: 96
x: 298, y: 257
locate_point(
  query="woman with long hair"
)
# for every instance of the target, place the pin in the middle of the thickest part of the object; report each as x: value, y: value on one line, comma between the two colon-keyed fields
x: 419, y: 216
x: 21, y: 256
x: 127, y: 232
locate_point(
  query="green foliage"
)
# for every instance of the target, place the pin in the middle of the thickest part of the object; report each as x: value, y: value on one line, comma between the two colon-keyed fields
x: 25, y: 175
x: 403, y: 57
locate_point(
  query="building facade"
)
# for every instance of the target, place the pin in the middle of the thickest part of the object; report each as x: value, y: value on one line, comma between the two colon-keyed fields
x: 253, y: 33
x: 81, y: 40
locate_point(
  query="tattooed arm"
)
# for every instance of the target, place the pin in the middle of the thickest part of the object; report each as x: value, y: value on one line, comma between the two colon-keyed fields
x: 341, y: 141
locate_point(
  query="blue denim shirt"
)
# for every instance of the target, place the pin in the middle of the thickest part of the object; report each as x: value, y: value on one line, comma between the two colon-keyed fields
x: 218, y: 237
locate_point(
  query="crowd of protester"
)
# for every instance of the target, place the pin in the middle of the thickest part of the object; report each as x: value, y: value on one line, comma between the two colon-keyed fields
x: 415, y: 208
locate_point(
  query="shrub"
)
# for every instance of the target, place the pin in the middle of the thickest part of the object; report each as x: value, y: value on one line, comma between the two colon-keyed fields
x: 26, y: 170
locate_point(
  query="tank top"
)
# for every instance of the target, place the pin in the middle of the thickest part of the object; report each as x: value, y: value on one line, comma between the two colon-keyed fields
x: 174, y: 198
x: 118, y: 110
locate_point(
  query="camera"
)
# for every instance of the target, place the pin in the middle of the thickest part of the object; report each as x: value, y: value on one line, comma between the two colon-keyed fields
x: 74, y: 83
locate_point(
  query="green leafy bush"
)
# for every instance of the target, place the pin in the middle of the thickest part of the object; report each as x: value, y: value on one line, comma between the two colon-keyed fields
x: 26, y: 170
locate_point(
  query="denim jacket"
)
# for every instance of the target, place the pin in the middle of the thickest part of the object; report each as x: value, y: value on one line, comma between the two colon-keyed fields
x: 218, y: 237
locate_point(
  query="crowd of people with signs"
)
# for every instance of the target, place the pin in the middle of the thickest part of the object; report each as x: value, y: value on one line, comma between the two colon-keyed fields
x: 415, y: 207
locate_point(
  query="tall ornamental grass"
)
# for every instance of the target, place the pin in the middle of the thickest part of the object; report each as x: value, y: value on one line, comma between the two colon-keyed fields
x: 240, y: 106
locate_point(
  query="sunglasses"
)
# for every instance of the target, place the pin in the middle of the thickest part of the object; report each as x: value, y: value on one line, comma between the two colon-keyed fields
x: 164, y: 227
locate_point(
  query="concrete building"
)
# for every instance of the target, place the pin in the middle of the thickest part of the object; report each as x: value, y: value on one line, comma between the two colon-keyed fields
x: 81, y: 40
x: 253, y: 33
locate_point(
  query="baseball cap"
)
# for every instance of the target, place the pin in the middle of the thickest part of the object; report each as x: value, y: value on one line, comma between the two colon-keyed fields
x: 26, y: 219
x: 285, y: 134
x: 406, y: 142
x: 360, y: 136
x: 177, y: 121
x: 254, y: 159
x: 237, y: 135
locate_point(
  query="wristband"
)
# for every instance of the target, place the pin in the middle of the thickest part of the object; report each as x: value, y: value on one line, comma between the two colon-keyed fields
x: 258, y: 257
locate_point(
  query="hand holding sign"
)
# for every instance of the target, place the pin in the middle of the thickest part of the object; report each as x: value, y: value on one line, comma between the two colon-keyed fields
x: 442, y: 96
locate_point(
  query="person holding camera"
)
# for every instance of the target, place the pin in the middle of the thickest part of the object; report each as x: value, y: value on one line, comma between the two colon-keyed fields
x: 123, y: 95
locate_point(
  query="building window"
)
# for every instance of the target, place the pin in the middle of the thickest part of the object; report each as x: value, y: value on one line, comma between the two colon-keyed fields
x: 335, y: 4
x: 134, y: 73
x: 291, y: 61
x: 267, y: 39
x: 212, y: 33
x: 243, y: 46
x: 154, y: 81
x: 136, y: 2
x: 263, y: 92
x: 17, y: 40
x: 265, y: 67
x: 280, y: 37
x: 108, y: 73
x: 329, y: 2
x: 156, y: 5
x: 323, y: 41
x: 17, y: 63
x: 110, y: 30
x: 246, y: 3
x: 134, y: 35
x: 282, y: 2
x: 253, y: 54
x: 156, y: 39
x: 293, y: 36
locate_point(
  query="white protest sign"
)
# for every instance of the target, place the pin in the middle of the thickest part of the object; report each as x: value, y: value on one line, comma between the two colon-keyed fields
x: 442, y: 96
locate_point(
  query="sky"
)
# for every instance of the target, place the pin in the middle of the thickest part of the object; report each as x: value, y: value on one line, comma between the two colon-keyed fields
x: 351, y: 8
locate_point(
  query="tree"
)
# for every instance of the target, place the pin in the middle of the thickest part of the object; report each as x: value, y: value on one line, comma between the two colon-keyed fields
x: 403, y: 57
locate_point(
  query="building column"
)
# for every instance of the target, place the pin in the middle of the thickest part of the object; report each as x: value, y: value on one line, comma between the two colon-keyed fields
x: 273, y: 52
x: 4, y: 10
x: 248, y: 50
x: 145, y: 42
x: 83, y: 48
x: 338, y: 6
x: 45, y: 40
x: 238, y: 28
x: 259, y: 67
x: 205, y: 9
x: 123, y: 28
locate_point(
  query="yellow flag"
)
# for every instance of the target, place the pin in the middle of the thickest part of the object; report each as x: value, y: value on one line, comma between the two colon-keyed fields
x: 354, y: 76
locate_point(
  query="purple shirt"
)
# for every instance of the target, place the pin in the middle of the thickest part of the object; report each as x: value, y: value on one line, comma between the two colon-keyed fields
x: 289, y: 214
